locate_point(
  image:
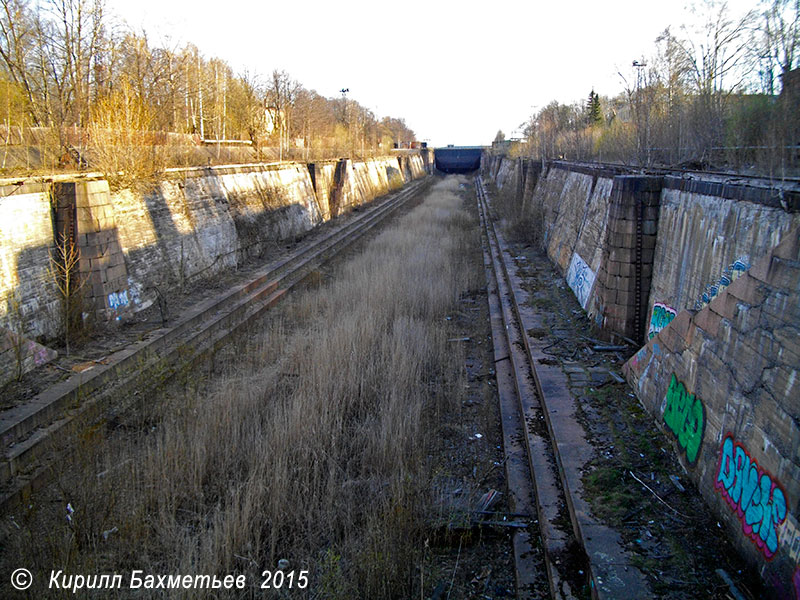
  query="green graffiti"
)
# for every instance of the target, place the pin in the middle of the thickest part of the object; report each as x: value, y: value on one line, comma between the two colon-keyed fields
x: 685, y: 416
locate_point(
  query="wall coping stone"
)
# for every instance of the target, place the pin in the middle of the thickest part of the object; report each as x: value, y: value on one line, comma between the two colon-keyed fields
x: 773, y: 197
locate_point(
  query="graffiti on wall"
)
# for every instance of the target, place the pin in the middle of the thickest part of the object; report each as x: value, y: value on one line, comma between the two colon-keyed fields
x: 118, y: 300
x: 730, y: 274
x: 790, y: 538
x: 753, y: 494
x: 661, y: 317
x: 580, y: 278
x: 685, y: 416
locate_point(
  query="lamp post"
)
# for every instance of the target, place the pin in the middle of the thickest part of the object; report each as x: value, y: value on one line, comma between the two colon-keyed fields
x: 344, y: 92
x: 639, y: 66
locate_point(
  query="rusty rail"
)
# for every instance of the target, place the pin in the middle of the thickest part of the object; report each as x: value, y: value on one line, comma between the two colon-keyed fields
x: 539, y: 420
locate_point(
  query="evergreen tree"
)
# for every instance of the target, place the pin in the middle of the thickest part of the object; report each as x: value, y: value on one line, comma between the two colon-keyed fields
x: 594, y: 115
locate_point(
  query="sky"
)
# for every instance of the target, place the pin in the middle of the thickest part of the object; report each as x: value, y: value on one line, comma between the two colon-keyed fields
x: 456, y: 71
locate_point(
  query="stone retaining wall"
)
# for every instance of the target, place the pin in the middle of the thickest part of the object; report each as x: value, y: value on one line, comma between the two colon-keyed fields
x: 705, y: 270
x: 194, y: 224
x: 723, y: 384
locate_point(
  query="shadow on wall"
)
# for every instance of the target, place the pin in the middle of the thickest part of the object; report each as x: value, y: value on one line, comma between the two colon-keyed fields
x: 32, y: 306
x: 32, y: 311
x: 196, y: 224
x: 204, y: 230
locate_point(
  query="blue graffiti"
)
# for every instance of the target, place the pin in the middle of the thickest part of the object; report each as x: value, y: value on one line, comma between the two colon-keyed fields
x: 753, y: 494
x: 118, y: 299
x: 730, y: 274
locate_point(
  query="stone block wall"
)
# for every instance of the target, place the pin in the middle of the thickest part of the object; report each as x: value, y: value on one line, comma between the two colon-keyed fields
x: 427, y: 159
x: 29, y: 303
x: 192, y: 225
x: 710, y: 234
x: 723, y: 383
x: 625, y: 269
x: 506, y: 173
x: 705, y: 270
x: 696, y: 235
x: 417, y: 165
x: 103, y: 273
x: 358, y: 182
x: 200, y: 222
x: 323, y: 181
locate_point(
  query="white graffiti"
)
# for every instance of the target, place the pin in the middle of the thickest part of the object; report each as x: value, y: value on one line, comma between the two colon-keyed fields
x: 790, y: 537
x: 580, y: 278
x: 118, y: 299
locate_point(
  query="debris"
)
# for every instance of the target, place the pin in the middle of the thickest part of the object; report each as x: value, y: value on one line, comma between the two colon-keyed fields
x: 649, y: 489
x: 737, y: 595
x: 70, y: 512
x: 488, y: 500
x: 504, y: 515
x: 608, y: 348
x: 676, y: 480
x: 283, y: 564
x: 461, y: 339
x: 485, y: 572
x: 477, y: 436
x: 512, y: 524
x: 108, y: 532
x: 616, y: 377
x: 81, y: 367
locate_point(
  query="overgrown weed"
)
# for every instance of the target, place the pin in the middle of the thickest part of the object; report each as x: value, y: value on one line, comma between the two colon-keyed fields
x: 522, y: 221
x: 312, y: 445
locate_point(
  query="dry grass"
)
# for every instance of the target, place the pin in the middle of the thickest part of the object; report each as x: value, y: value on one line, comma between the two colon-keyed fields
x: 312, y: 447
x: 522, y: 221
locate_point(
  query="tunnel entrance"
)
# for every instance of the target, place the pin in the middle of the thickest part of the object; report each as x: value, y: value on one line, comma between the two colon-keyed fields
x: 458, y: 159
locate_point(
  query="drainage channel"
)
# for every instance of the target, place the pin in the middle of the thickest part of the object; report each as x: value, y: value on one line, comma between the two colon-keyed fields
x: 34, y: 434
x: 546, y: 449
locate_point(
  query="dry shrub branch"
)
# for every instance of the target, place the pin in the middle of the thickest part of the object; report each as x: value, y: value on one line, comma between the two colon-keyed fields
x: 121, y: 141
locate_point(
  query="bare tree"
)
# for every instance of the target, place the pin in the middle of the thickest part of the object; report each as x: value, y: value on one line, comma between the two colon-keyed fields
x: 70, y: 68
x: 714, y: 55
x: 281, y: 96
x: 17, y: 40
x: 777, y: 41
x: 64, y: 270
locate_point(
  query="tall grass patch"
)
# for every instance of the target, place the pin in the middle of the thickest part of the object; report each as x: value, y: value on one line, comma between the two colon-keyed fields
x: 310, y: 443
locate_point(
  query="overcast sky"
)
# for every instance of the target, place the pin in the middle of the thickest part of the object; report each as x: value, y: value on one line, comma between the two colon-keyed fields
x: 457, y: 71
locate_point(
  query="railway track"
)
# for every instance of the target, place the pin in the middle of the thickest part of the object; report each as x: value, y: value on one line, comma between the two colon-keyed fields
x: 546, y: 450
x: 36, y: 433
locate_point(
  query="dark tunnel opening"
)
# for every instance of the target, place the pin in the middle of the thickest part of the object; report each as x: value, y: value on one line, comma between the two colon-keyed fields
x: 458, y: 159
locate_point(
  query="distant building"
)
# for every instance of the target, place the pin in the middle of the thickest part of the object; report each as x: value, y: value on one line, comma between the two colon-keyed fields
x: 505, y: 146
